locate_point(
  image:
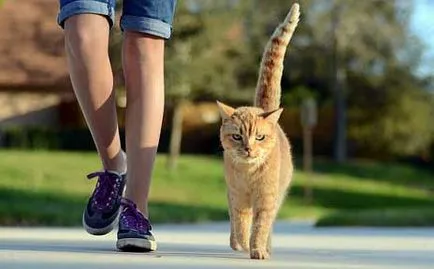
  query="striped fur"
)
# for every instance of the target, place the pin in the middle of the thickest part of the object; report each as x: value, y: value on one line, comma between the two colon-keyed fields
x: 268, y: 89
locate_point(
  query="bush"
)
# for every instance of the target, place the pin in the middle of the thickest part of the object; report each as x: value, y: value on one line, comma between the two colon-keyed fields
x: 33, y: 138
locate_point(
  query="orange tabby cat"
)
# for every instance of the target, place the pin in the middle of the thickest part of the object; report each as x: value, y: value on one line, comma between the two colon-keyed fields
x: 257, y: 154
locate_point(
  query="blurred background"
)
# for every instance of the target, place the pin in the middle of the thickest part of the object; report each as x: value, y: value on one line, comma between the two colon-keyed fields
x: 365, y: 67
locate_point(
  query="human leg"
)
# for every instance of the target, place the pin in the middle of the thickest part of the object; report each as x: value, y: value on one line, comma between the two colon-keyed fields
x: 143, y: 65
x: 86, y: 25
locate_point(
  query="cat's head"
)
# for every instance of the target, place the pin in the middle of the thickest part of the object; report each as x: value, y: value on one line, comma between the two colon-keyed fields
x: 248, y: 134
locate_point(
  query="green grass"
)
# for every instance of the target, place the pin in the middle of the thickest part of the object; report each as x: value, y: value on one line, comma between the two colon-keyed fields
x: 49, y: 188
x: 397, y: 217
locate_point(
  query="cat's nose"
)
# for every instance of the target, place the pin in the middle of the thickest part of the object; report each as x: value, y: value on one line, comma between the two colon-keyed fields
x: 248, y: 149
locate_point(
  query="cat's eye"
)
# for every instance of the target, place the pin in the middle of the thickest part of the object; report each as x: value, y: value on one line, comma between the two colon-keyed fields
x: 236, y: 137
x: 260, y: 137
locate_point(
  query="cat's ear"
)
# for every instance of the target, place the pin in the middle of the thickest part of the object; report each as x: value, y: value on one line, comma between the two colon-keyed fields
x: 225, y: 110
x: 272, y: 116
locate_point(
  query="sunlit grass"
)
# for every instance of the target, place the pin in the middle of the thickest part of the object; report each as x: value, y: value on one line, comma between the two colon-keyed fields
x: 50, y: 188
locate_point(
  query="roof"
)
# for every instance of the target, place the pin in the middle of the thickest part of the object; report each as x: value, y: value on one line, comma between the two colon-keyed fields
x: 31, y: 45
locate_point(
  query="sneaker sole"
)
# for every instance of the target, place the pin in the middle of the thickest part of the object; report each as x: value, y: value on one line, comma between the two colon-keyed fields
x: 136, y: 245
x: 100, y: 231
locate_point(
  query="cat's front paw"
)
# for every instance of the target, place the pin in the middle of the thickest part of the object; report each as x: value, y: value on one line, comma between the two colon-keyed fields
x: 235, y: 246
x: 259, y: 254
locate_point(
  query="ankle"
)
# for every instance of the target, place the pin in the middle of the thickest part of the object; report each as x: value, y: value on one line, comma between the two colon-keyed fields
x: 117, y: 164
x: 143, y: 209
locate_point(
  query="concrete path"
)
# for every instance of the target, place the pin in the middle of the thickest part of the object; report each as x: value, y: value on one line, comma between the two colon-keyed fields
x: 296, y: 246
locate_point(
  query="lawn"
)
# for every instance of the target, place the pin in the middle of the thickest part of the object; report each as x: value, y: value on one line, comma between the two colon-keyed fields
x: 50, y: 188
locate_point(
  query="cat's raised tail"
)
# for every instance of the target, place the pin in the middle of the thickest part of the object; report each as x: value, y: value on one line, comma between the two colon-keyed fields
x: 268, y: 89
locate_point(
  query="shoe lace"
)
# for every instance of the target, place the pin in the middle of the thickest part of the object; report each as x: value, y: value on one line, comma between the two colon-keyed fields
x: 106, y: 190
x: 133, y: 218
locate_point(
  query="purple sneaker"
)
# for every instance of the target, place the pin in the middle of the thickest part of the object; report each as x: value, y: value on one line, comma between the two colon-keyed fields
x: 101, y: 213
x: 134, y: 232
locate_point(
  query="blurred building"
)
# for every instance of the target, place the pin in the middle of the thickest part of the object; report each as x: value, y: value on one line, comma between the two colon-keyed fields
x: 34, y: 85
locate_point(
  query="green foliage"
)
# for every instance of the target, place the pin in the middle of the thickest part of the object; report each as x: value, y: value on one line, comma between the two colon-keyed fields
x: 405, y: 128
x: 389, y: 105
x: 34, y: 138
x: 398, y: 120
x: 216, y: 48
x: 295, y: 97
x: 201, y: 57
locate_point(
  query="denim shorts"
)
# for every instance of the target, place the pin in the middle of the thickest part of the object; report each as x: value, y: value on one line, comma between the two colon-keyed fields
x: 152, y: 17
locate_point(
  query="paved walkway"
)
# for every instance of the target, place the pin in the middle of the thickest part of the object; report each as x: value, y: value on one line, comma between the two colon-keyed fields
x: 296, y: 246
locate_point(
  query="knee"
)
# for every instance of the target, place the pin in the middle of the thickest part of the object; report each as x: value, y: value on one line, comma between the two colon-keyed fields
x: 141, y: 46
x: 86, y: 34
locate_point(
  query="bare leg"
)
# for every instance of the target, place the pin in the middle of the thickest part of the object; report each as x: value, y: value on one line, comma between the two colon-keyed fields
x: 86, y: 43
x: 143, y: 63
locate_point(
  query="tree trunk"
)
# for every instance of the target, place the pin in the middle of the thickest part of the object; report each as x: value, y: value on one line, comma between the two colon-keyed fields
x: 338, y: 78
x: 307, y: 163
x: 340, y: 118
x: 2, y: 140
x: 175, y: 135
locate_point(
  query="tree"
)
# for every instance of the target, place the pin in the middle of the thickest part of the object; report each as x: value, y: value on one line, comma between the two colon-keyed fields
x: 363, y: 34
x: 396, y: 122
x: 350, y: 48
x: 358, y: 56
x: 200, y: 60
x: 180, y: 89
